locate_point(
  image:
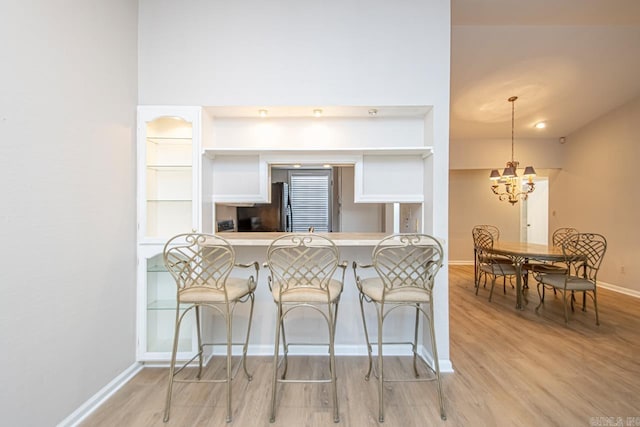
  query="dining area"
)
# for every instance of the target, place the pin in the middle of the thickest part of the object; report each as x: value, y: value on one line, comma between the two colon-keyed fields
x: 568, y: 265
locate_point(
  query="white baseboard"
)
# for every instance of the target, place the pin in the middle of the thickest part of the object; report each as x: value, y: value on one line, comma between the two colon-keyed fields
x: 619, y: 289
x: 445, y: 364
x: 460, y: 262
x: 99, y: 398
x: 341, y: 350
x: 321, y: 350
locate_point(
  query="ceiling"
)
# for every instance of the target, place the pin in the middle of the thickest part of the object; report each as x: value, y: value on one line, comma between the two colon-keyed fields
x: 568, y: 61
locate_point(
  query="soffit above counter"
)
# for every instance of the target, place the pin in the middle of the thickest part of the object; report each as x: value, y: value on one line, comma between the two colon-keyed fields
x: 323, y: 152
x: 335, y: 111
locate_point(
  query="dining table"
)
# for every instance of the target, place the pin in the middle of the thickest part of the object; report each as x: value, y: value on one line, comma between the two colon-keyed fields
x: 522, y: 252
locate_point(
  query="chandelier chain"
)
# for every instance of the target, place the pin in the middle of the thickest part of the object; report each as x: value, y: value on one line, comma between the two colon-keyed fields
x: 513, y: 111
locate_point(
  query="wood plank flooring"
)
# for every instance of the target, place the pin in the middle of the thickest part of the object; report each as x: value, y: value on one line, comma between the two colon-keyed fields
x: 511, y: 368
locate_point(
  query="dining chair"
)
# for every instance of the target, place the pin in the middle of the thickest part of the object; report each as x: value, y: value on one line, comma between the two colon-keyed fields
x: 495, y: 233
x: 583, y: 253
x: 302, y: 267
x: 560, y: 235
x: 406, y: 266
x: 490, y: 264
x: 201, y: 265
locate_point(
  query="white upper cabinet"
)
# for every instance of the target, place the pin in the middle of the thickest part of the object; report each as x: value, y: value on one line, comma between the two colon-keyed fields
x: 387, y: 150
x: 169, y: 140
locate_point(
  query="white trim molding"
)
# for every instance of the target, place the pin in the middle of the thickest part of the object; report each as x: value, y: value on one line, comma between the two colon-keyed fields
x: 619, y: 289
x: 94, y: 402
x: 460, y: 262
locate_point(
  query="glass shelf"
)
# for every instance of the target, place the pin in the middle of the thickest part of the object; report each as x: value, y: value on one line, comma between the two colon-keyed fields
x: 169, y: 140
x: 179, y: 168
x: 165, y: 304
x: 156, y: 269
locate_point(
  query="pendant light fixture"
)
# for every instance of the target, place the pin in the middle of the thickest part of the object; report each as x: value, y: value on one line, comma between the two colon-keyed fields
x: 511, y: 190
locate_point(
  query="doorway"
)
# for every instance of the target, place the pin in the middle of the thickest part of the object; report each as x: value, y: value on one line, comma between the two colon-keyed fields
x: 534, y: 214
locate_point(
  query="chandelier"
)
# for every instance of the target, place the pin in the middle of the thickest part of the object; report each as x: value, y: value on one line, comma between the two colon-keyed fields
x: 511, y: 190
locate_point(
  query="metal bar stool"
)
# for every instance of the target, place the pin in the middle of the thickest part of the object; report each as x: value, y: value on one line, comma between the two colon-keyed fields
x: 406, y: 267
x: 301, y: 268
x: 201, y: 265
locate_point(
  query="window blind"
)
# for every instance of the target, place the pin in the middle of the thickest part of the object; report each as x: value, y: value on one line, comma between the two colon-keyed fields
x: 310, y: 196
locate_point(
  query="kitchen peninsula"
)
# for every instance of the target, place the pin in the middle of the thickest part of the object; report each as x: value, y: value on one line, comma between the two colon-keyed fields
x: 199, y: 166
x: 350, y: 338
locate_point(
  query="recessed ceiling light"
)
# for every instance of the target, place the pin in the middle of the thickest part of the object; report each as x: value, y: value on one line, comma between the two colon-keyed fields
x: 297, y: 165
x: 540, y: 125
x: 263, y: 113
x: 326, y: 166
x: 373, y: 112
x: 317, y: 113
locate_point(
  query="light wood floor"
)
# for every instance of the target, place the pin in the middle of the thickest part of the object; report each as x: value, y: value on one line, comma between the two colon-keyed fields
x: 511, y: 368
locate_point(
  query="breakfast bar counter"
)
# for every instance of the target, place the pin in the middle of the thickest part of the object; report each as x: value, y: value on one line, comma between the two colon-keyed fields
x: 265, y: 238
x: 349, y: 339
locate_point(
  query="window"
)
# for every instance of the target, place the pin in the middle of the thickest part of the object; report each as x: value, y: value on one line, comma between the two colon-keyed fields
x: 310, y: 193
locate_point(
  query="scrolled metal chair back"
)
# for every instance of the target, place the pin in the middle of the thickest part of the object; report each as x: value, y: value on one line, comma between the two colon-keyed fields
x: 408, y: 261
x: 298, y: 261
x: 483, y: 240
x: 491, y: 229
x: 560, y: 235
x: 199, y: 260
x: 585, y: 251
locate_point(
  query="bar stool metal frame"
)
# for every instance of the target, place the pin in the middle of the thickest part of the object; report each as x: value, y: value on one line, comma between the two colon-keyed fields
x: 201, y: 265
x: 301, y: 268
x: 406, y: 266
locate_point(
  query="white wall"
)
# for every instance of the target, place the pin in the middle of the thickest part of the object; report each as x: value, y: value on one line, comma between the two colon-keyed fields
x: 495, y: 153
x: 471, y: 202
x: 358, y: 217
x: 67, y: 174
x: 596, y: 191
x: 335, y: 52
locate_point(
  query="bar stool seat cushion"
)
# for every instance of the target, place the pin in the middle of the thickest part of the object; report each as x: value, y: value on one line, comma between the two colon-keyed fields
x: 373, y: 287
x: 297, y: 292
x: 237, y: 288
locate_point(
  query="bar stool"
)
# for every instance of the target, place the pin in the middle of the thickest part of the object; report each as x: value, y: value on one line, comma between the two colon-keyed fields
x: 301, y: 268
x: 406, y: 266
x: 201, y: 265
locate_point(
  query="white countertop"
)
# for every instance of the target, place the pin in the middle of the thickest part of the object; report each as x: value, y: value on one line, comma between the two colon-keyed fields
x: 265, y: 238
